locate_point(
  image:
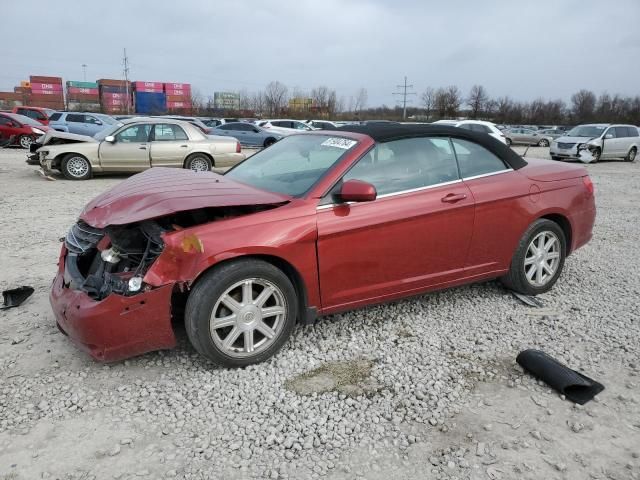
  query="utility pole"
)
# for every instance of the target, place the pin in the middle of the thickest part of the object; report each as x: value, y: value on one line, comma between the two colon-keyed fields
x: 84, y: 71
x: 125, y: 72
x: 404, y: 94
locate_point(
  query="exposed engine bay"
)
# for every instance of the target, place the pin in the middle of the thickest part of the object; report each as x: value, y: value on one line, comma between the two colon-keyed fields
x: 114, y: 259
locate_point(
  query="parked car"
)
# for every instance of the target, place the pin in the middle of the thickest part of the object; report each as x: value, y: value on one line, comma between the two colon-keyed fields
x: 479, y: 126
x: 526, y: 136
x: 81, y: 123
x: 22, y: 130
x: 285, y: 124
x: 195, y: 121
x: 287, y: 234
x: 553, y: 133
x: 600, y: 140
x: 248, y: 134
x: 136, y: 145
x: 40, y: 115
x: 323, y: 124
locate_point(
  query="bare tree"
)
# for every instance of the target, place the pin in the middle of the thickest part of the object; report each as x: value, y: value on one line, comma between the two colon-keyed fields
x: 244, y: 100
x: 440, y: 102
x: 276, y: 96
x: 320, y: 96
x: 583, y: 105
x: 428, y: 99
x: 477, y: 100
x: 454, y: 99
x: 361, y: 98
x: 197, y: 101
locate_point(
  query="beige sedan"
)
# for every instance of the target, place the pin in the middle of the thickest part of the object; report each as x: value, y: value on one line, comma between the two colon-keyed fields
x: 133, y: 146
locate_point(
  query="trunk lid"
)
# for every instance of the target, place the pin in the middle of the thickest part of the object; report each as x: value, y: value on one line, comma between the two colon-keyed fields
x: 162, y: 191
x: 551, y: 170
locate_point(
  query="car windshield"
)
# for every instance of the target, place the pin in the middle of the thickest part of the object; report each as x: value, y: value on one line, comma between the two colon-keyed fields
x: 586, y: 131
x: 106, y: 119
x: 24, y: 119
x: 292, y: 165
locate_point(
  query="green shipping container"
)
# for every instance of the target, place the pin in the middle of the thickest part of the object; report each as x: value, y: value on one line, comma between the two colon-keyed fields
x: 72, y: 83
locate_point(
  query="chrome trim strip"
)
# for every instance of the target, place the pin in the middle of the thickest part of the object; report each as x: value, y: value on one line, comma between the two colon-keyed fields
x: 387, y: 195
x: 489, y: 174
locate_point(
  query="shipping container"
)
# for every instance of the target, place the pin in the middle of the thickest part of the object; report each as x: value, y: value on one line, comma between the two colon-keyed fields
x: 178, y: 92
x: 178, y: 98
x: 83, y: 97
x: 77, y: 84
x: 47, y: 97
x: 42, y: 79
x: 22, y: 89
x: 111, y: 96
x: 148, y: 86
x: 54, y: 87
x: 84, y: 106
x: 150, y: 103
x: 173, y: 105
x: 110, y: 89
x: 53, y: 93
x: 108, y: 82
x: 178, y: 86
x: 10, y: 96
x: 84, y: 91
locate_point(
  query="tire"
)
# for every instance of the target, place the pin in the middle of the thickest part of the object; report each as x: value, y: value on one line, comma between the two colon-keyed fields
x: 75, y: 167
x: 228, y: 281
x: 516, y: 279
x: 596, y: 155
x: 631, y: 156
x: 543, y: 143
x: 25, y: 141
x: 198, y: 162
x: 509, y: 142
x: 269, y: 141
x: 554, y: 157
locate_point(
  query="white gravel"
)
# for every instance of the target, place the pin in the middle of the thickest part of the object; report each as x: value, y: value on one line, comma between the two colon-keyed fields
x: 423, y: 388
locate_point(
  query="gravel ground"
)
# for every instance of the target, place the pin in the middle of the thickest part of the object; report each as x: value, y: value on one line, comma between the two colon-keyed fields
x: 419, y: 389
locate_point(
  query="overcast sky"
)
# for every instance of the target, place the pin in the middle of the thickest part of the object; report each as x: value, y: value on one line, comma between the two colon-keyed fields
x: 524, y: 49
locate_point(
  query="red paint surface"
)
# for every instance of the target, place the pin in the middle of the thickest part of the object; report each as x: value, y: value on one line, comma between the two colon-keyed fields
x: 53, y: 87
x: 151, y: 86
x: 347, y: 256
x: 86, y: 91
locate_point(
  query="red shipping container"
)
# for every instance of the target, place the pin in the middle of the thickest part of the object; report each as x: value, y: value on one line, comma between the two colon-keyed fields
x: 84, y: 91
x: 114, y: 96
x: 81, y: 97
x: 186, y: 104
x: 148, y: 90
x: 178, y: 93
x: 54, y: 87
x: 38, y: 91
x: 148, y: 86
x: 177, y: 86
x: 42, y: 79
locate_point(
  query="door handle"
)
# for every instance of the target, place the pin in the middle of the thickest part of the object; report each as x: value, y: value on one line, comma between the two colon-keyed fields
x: 143, y: 147
x: 453, y: 197
x: 184, y: 146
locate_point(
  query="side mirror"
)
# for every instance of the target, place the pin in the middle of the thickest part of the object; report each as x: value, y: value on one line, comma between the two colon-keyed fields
x: 255, y: 130
x: 609, y: 135
x: 357, y: 191
x: 110, y: 139
x: 98, y: 122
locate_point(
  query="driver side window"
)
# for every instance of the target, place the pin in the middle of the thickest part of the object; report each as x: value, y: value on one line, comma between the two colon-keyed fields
x: 134, y: 134
x: 406, y: 164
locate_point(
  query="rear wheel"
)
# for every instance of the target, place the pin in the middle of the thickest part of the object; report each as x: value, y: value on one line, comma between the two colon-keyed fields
x: 543, y: 143
x: 553, y: 157
x: 198, y: 162
x: 509, y: 141
x: 241, y: 313
x: 631, y: 156
x: 539, y: 259
x: 25, y: 141
x: 269, y: 141
x: 75, y: 167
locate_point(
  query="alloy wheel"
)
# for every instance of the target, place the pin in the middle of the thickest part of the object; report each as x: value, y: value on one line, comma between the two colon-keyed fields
x: 199, y: 164
x: 542, y: 258
x: 26, y: 141
x: 77, y: 167
x: 248, y: 317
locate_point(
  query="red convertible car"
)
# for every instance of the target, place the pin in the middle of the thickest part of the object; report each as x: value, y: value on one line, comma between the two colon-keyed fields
x: 318, y: 223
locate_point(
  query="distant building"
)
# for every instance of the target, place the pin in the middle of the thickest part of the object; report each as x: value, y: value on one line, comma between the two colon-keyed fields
x: 226, y: 101
x: 300, y: 104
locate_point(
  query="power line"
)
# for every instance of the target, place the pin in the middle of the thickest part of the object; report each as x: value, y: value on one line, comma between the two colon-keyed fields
x: 404, y: 94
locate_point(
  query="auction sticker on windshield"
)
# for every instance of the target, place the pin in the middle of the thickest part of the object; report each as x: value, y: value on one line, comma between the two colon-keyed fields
x: 337, y: 142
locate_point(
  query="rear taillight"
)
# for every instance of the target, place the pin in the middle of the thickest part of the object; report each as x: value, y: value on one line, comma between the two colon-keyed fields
x: 238, y: 147
x: 588, y: 184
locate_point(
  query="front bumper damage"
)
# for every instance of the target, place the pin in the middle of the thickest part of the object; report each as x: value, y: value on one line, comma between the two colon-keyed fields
x: 94, y: 302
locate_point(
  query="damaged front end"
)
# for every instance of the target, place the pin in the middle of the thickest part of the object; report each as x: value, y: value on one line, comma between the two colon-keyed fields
x: 111, y: 260
x: 52, y: 138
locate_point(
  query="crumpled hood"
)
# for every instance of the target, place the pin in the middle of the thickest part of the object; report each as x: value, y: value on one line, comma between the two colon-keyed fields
x: 162, y: 191
x: 65, y: 135
x: 573, y: 139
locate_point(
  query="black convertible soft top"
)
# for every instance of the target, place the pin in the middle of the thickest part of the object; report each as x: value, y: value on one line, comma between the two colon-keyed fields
x: 382, y: 132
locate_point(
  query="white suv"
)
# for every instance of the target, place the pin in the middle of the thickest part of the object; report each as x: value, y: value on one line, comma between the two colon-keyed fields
x: 477, y: 126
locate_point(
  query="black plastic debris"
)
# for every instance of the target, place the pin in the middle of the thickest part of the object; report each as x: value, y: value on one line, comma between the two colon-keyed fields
x: 528, y: 299
x: 15, y: 296
x: 573, y: 385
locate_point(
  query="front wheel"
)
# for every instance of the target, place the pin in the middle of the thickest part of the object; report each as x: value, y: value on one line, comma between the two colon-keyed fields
x: 509, y: 141
x: 631, y: 156
x: 198, y: 163
x: 241, y: 313
x: 25, y: 141
x: 269, y: 141
x: 538, y: 260
x: 543, y: 143
x: 75, y: 167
